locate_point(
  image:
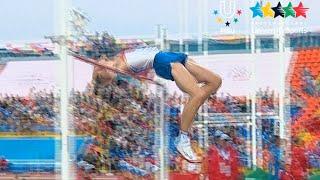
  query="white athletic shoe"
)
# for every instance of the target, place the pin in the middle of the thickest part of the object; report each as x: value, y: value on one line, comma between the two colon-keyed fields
x: 184, y: 148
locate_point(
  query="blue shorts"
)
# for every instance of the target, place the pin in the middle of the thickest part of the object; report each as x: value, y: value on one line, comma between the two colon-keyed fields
x: 162, y: 60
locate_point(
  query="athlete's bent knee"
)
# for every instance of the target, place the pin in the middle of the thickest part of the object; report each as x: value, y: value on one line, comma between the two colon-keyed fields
x: 215, y: 82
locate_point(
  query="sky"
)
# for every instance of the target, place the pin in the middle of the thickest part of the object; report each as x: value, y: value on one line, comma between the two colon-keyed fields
x: 26, y: 20
x: 29, y: 20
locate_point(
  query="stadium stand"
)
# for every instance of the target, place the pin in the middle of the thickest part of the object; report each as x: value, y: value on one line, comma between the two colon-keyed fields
x: 111, y: 114
x: 304, y: 93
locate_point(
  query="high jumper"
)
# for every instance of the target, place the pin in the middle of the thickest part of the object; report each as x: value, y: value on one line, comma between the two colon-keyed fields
x: 191, y: 78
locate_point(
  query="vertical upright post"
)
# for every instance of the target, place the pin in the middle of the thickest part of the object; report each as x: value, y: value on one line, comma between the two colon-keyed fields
x: 281, y: 36
x: 259, y: 141
x: 248, y: 145
x: 200, y: 25
x: 253, y: 96
x: 253, y: 38
x: 57, y: 154
x: 205, y: 26
x: 185, y: 23
x: 162, y: 149
x: 181, y: 25
x: 164, y: 38
x: 64, y: 94
x: 254, y: 125
x: 159, y: 34
x: 205, y: 127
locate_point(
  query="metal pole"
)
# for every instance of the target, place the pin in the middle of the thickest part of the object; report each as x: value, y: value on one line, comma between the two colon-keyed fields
x: 205, y: 127
x: 162, y: 151
x: 200, y: 25
x: 57, y: 93
x: 205, y: 26
x: 181, y: 25
x: 64, y: 94
x: 281, y: 36
x: 185, y: 23
x: 253, y: 96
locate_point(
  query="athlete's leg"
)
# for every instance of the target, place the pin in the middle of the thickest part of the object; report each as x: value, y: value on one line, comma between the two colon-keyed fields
x: 187, y: 79
x: 188, y: 84
x: 210, y: 81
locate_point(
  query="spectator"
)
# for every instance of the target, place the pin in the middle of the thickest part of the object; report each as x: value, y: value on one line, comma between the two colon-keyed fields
x: 309, y: 82
x: 3, y: 164
x: 299, y: 164
x: 223, y: 162
x: 267, y: 158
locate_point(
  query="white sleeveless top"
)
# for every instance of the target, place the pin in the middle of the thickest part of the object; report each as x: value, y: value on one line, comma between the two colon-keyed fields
x: 141, y: 59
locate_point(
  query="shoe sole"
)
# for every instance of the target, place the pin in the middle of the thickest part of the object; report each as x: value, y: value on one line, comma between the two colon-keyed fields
x: 191, y: 161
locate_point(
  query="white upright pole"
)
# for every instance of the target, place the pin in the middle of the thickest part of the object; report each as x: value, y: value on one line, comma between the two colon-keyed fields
x: 158, y: 36
x: 162, y: 36
x: 205, y: 128
x: 205, y: 26
x: 254, y: 126
x: 281, y: 36
x: 162, y: 151
x: 185, y: 23
x: 200, y: 25
x: 181, y: 24
x: 253, y: 96
x: 57, y: 92
x: 64, y: 94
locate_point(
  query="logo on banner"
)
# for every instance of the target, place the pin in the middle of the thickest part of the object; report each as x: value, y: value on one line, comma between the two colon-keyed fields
x: 227, y: 8
x: 269, y: 11
x: 240, y: 73
x: 227, y: 14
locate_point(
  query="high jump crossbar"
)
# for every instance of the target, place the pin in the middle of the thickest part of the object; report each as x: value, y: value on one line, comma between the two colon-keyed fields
x: 97, y: 63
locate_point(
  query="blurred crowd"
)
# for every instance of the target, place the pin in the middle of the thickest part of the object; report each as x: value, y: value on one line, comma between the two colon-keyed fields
x: 34, y: 51
x: 34, y: 113
x: 121, y: 117
x: 94, y: 46
x: 311, y: 84
x: 121, y: 121
x: 228, y: 104
x: 266, y: 102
